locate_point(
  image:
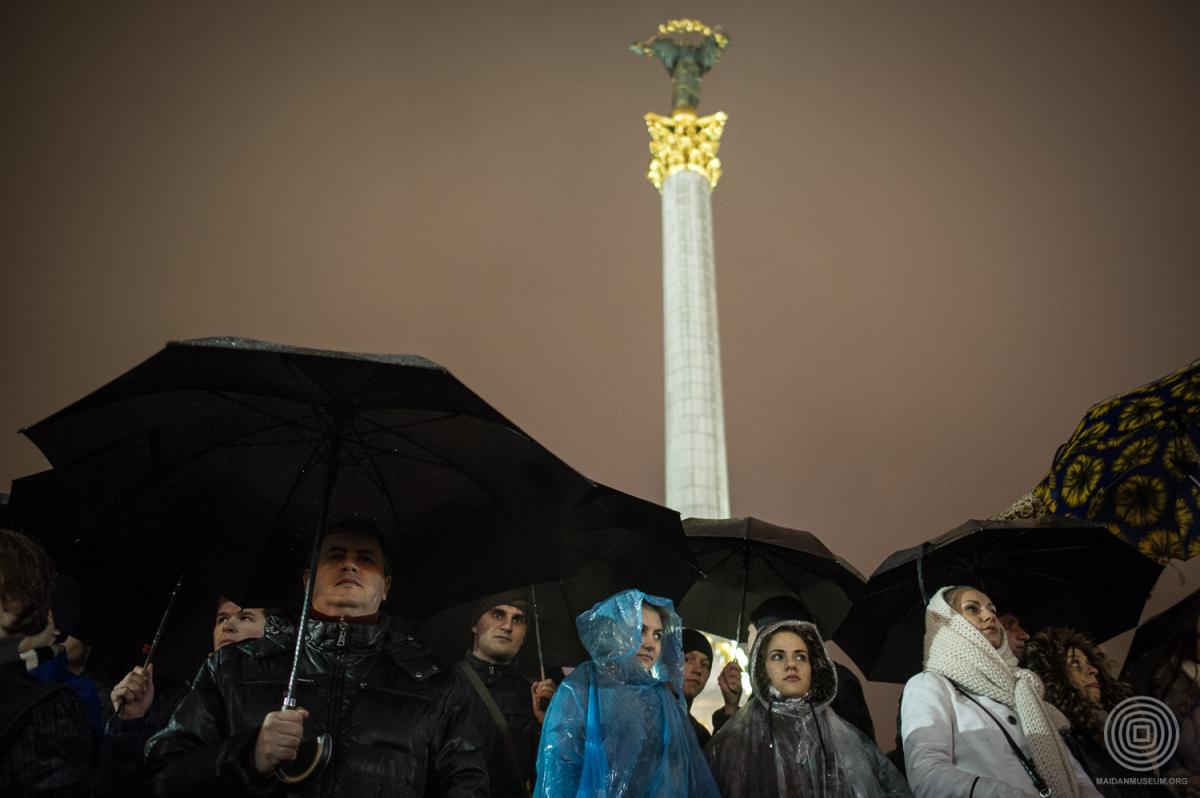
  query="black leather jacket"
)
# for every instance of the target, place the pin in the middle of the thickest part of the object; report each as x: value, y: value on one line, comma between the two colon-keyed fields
x: 398, y: 720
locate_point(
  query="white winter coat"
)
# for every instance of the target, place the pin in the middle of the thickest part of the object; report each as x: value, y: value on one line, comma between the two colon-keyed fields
x: 952, y: 747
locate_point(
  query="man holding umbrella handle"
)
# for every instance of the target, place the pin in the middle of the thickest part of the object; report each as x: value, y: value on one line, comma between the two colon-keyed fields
x: 393, y: 716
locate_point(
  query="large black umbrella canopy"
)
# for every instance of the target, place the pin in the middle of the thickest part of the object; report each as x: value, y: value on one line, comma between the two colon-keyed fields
x: 747, y: 561
x: 1049, y: 571
x: 223, y: 456
x: 611, y: 542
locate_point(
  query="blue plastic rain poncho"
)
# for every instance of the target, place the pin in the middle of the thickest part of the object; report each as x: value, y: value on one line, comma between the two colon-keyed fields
x: 615, y: 729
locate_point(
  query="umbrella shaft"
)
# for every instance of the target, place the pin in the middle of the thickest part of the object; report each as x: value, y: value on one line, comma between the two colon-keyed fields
x: 331, y: 469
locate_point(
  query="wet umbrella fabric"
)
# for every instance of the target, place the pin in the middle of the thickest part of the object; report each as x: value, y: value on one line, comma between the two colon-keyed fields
x: 225, y: 456
x: 1054, y: 571
x: 747, y: 561
x: 612, y: 542
x: 1133, y: 465
x: 1158, y: 632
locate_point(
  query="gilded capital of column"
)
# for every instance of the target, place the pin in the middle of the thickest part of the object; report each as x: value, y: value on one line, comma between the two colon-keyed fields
x: 682, y: 142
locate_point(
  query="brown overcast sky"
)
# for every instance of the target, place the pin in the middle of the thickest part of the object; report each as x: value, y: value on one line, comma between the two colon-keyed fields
x: 944, y: 230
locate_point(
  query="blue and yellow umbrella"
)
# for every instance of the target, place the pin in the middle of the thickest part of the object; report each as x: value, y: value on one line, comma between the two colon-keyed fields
x: 1132, y: 464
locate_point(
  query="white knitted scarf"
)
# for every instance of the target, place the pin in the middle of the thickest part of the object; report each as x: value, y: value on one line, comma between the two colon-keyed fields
x: 957, y: 650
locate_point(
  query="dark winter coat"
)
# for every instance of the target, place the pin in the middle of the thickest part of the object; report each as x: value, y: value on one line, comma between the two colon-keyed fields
x: 510, y: 691
x: 46, y: 745
x: 119, y: 762
x: 398, y: 721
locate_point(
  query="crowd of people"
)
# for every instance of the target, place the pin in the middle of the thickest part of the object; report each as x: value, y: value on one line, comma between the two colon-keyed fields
x: 995, y: 712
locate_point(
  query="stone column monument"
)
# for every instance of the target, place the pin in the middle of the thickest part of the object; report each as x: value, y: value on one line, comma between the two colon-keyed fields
x: 684, y: 168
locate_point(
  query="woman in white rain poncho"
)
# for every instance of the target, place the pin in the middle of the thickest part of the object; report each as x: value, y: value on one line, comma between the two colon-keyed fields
x: 786, y: 740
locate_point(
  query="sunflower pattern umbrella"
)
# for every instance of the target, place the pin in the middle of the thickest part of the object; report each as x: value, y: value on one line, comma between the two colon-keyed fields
x: 1132, y: 464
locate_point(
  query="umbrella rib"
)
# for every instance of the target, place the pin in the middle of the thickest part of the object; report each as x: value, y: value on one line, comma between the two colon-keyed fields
x: 312, y: 457
x: 196, y: 456
x: 483, y: 489
x: 369, y: 382
x: 381, y: 484
x: 300, y: 375
x: 437, y: 459
x: 284, y: 420
x: 321, y: 429
x: 722, y: 561
x: 778, y: 573
x: 486, y: 491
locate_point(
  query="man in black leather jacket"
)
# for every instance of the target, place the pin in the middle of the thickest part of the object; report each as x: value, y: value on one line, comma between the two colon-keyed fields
x: 499, y: 630
x: 398, y: 721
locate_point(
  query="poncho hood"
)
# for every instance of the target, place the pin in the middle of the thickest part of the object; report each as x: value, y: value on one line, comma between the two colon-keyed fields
x: 611, y: 631
x: 824, y: 675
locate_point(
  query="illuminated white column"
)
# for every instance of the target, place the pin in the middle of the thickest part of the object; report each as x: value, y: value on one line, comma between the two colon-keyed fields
x: 697, y: 478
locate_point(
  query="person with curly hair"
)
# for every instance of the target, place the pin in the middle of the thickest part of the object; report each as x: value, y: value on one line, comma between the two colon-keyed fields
x: 46, y: 745
x: 1079, y: 683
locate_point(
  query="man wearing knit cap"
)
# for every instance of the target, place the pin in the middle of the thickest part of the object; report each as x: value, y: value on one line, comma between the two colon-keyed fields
x: 697, y: 667
x: 509, y: 709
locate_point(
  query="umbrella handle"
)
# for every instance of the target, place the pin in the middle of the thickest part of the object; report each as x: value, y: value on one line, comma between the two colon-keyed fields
x: 537, y: 632
x: 311, y: 759
x: 162, y: 624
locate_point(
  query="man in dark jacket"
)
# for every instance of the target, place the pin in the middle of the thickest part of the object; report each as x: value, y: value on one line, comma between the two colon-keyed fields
x: 697, y: 667
x: 46, y: 745
x: 398, y: 721
x: 508, y: 708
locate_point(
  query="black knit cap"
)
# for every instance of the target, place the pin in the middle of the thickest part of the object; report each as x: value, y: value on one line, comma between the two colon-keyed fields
x: 696, y: 641
x: 514, y: 598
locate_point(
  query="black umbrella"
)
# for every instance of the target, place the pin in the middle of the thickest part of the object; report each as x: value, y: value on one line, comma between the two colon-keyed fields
x: 1155, y: 635
x: 230, y: 457
x: 612, y: 541
x: 747, y: 561
x: 1050, y: 571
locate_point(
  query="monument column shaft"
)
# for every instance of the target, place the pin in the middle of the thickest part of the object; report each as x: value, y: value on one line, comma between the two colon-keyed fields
x: 697, y: 481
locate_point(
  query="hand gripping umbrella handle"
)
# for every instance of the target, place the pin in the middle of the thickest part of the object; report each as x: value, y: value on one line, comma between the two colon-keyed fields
x: 314, y: 753
x: 162, y: 624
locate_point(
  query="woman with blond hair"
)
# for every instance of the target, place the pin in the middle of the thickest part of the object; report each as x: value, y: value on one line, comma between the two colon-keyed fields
x: 973, y: 723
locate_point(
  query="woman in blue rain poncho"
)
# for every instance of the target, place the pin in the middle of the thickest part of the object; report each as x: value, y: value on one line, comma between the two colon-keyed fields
x: 618, y: 726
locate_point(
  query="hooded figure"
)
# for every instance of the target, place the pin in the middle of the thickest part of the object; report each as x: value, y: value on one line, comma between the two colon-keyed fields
x: 616, y: 728
x: 798, y: 746
x: 973, y: 723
